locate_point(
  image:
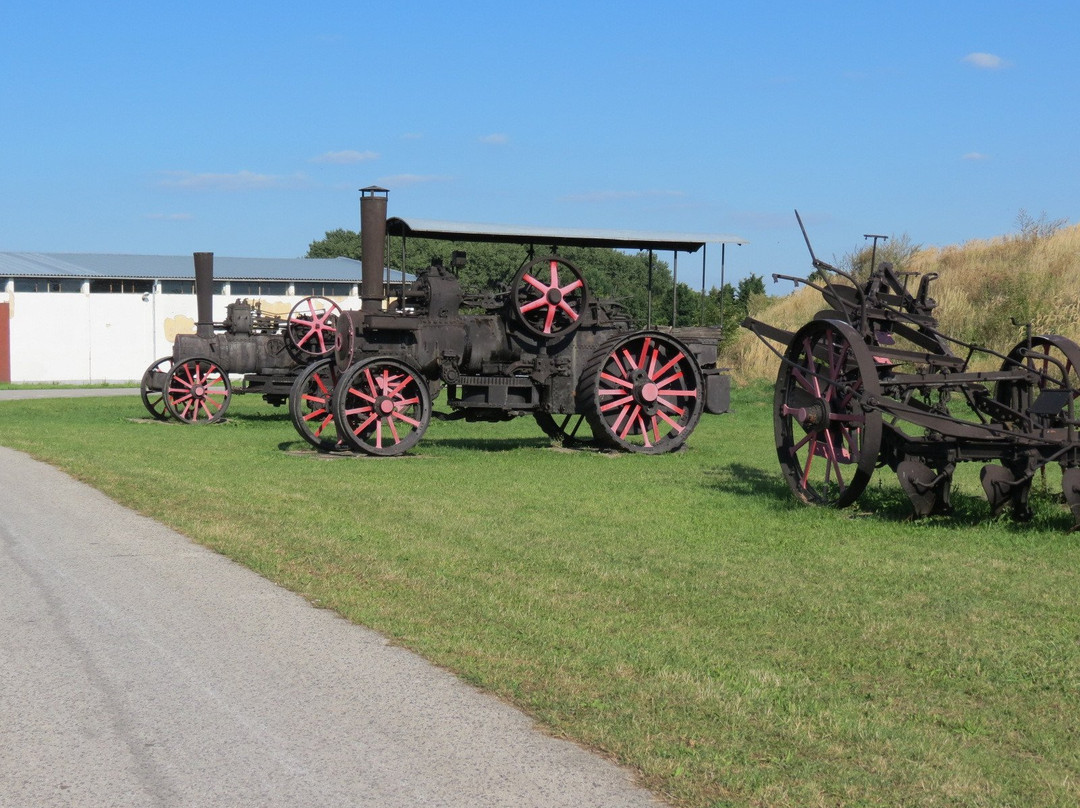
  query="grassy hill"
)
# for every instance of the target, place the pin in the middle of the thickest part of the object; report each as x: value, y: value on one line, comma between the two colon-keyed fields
x: 1033, y: 276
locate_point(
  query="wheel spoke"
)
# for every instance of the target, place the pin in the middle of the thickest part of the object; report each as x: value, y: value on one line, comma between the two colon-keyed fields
x: 615, y: 380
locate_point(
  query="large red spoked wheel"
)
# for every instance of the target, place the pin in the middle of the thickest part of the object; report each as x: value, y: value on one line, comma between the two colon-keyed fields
x: 1056, y: 362
x: 381, y: 406
x: 826, y: 441
x: 197, y: 391
x: 644, y: 393
x: 312, y: 326
x: 152, y: 388
x: 310, y: 405
x: 549, y: 296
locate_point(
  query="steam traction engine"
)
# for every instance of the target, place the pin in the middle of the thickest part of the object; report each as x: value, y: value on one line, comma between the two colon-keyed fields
x: 872, y: 381
x: 193, y: 384
x: 542, y: 346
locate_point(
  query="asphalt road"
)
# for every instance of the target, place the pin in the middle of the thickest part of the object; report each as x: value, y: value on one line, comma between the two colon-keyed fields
x: 140, y: 669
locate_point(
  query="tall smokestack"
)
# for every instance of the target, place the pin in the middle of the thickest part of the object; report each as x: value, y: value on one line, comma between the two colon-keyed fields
x: 372, y: 247
x: 204, y: 294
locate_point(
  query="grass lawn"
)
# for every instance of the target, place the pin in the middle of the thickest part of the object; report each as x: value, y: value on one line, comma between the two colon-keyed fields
x: 681, y: 613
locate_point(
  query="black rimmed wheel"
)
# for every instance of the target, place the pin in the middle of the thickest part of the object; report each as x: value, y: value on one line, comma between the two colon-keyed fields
x: 381, y: 406
x: 311, y: 405
x: 152, y: 388
x: 312, y: 326
x: 1054, y: 365
x: 643, y: 393
x: 826, y: 440
x: 197, y: 391
x: 549, y: 296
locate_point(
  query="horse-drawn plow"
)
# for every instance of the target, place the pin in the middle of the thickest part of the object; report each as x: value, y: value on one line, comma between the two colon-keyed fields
x: 872, y: 381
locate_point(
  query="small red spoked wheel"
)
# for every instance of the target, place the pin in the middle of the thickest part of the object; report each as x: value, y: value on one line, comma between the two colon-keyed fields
x: 549, y: 296
x: 310, y: 405
x: 152, y: 388
x: 312, y: 326
x: 827, y: 443
x: 381, y: 406
x: 1055, y: 360
x: 197, y: 391
x: 644, y: 393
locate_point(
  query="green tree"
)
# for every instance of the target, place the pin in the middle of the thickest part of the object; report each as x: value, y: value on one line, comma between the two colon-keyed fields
x: 335, y: 244
x: 608, y: 273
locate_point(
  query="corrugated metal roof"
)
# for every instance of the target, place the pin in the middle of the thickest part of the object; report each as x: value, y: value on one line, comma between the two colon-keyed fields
x: 182, y: 267
x: 514, y: 234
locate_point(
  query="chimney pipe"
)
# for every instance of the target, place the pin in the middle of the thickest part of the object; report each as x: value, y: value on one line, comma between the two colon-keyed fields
x: 372, y: 247
x: 204, y: 294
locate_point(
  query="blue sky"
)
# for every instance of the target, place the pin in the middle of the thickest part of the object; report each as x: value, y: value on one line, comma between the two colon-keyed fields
x: 247, y: 128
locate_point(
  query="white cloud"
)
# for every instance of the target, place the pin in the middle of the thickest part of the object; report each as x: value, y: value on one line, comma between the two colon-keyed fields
x: 495, y: 139
x: 345, y: 158
x: 412, y: 179
x: 617, y: 196
x: 239, y: 181
x: 976, y: 156
x: 985, y: 61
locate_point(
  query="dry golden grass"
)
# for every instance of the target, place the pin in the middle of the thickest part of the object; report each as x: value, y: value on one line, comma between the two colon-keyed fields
x: 981, y: 285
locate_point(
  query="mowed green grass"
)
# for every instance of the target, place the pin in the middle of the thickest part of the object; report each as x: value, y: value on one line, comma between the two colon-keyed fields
x: 681, y: 613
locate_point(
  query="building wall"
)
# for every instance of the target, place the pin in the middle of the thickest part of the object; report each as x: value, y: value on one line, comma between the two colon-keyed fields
x: 93, y: 338
x: 5, y: 343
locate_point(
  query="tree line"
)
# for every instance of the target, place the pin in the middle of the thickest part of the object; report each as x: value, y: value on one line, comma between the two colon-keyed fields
x: 609, y: 273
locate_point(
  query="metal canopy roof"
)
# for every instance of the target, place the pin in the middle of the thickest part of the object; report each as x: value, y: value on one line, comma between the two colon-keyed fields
x: 575, y: 237
x: 181, y: 267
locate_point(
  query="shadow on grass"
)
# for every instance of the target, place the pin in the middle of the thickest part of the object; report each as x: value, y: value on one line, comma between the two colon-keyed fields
x: 749, y: 481
x: 884, y: 500
x: 273, y: 416
x: 489, y: 444
x: 301, y: 447
x: 969, y: 511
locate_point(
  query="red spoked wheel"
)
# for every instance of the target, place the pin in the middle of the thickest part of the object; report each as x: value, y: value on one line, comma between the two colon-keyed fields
x: 644, y: 393
x: 311, y: 405
x: 826, y: 441
x: 312, y: 326
x: 152, y: 388
x: 381, y: 406
x: 1055, y: 361
x: 197, y: 391
x: 549, y: 296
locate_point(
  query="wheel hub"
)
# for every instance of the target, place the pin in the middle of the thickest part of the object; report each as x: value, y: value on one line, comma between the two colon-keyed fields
x: 646, y: 391
x: 812, y: 416
x: 384, y: 405
x: 554, y: 296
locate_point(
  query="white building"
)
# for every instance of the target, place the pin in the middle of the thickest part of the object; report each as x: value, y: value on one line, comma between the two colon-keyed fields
x: 90, y: 318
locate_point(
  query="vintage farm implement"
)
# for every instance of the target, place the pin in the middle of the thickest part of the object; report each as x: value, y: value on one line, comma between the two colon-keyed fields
x: 193, y: 385
x: 872, y: 381
x: 542, y: 346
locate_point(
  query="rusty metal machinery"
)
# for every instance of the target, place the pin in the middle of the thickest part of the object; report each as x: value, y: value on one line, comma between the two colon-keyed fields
x: 542, y: 346
x: 872, y: 381
x: 268, y: 352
